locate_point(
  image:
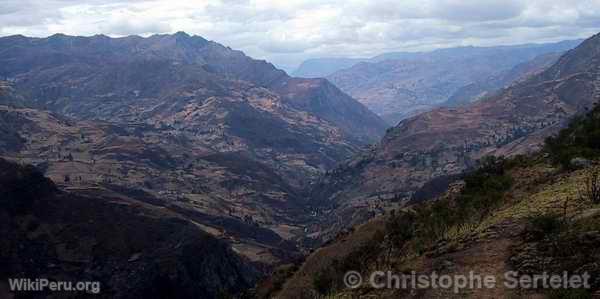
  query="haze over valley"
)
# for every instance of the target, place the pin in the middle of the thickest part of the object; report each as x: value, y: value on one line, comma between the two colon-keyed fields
x: 244, y: 149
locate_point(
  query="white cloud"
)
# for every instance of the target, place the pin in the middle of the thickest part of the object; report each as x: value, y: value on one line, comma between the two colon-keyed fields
x: 286, y: 32
x: 477, y: 10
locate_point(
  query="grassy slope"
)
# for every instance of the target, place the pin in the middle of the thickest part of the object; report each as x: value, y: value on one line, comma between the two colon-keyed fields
x: 487, y: 246
x: 541, y: 223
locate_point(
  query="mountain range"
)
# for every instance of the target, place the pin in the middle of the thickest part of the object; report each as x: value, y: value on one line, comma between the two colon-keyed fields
x: 171, y: 164
x: 488, y: 86
x: 447, y: 141
x: 507, y: 184
x: 183, y: 123
x: 398, y: 85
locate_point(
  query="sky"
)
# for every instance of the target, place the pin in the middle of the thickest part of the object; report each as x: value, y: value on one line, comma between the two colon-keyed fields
x: 286, y: 32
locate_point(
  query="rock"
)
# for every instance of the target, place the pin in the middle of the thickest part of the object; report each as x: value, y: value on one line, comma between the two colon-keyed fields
x: 580, y: 163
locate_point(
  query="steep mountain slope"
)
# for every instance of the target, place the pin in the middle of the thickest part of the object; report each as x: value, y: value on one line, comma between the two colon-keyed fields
x: 131, y: 248
x: 540, y: 221
x: 181, y: 122
x: 446, y: 141
x: 321, y: 98
x: 220, y: 97
x: 487, y: 87
x: 231, y: 196
x: 322, y: 67
x: 529, y: 215
x: 73, y: 74
x: 403, y: 84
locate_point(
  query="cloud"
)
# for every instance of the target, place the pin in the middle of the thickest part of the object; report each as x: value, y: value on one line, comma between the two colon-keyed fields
x: 135, y: 27
x: 285, y: 46
x: 477, y: 10
x: 287, y: 32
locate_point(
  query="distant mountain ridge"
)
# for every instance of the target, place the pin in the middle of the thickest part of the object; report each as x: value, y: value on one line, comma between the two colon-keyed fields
x: 486, y: 87
x: 398, y: 85
x: 398, y: 88
x: 323, y: 67
x: 446, y: 141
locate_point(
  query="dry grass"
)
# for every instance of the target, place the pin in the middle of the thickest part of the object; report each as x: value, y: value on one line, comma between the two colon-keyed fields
x: 323, y: 257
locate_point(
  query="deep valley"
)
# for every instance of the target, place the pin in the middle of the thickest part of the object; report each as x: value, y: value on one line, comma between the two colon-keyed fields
x: 173, y: 166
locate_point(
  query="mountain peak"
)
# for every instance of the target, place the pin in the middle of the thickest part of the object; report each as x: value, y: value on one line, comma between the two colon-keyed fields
x: 181, y: 34
x: 58, y: 35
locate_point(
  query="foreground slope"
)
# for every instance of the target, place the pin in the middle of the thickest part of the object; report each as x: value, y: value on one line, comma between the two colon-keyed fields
x: 540, y: 225
x: 133, y: 249
x: 531, y: 214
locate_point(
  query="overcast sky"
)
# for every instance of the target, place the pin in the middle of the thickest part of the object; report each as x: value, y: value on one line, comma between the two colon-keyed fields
x: 288, y: 31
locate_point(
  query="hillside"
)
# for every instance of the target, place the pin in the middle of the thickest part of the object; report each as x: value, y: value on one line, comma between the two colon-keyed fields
x: 397, y: 86
x: 487, y: 87
x: 530, y: 214
x: 232, y: 196
x: 71, y: 75
x: 225, y: 140
x: 321, y: 67
x: 131, y: 248
x: 446, y: 141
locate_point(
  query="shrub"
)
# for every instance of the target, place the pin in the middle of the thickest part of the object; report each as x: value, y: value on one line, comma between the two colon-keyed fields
x: 400, y: 227
x: 484, y: 189
x: 556, y: 231
x: 434, y: 188
x: 580, y: 139
x: 545, y: 224
x: 434, y: 220
x: 324, y: 281
x: 591, y: 188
